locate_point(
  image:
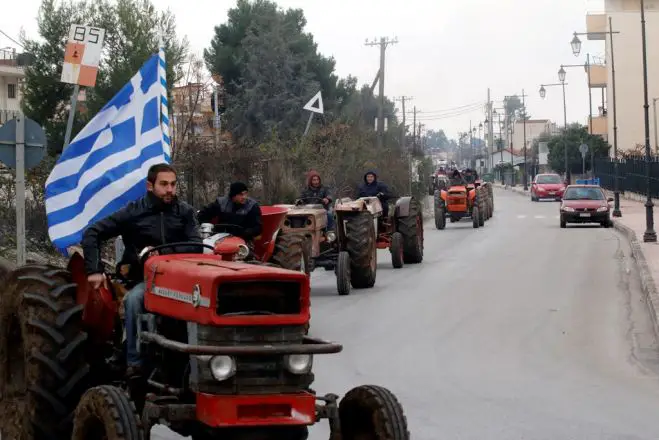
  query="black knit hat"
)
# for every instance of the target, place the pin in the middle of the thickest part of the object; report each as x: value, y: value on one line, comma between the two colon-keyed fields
x: 237, y: 188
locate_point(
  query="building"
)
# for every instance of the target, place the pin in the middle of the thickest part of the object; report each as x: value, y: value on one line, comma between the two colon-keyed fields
x: 534, y: 129
x: 627, y: 46
x: 11, y: 73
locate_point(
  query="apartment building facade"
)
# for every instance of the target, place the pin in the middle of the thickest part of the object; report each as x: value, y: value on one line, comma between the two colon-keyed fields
x: 627, y: 51
x: 11, y: 74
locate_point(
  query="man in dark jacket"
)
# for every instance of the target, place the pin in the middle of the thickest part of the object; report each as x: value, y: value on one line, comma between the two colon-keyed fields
x: 235, y: 209
x: 374, y: 188
x: 155, y: 219
x: 317, y: 193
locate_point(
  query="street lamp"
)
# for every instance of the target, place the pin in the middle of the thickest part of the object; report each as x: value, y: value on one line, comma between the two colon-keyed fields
x: 576, y: 49
x: 543, y: 93
x: 649, y: 236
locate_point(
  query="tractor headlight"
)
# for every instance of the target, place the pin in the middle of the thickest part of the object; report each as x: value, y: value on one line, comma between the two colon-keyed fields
x: 331, y: 236
x: 243, y: 252
x: 299, y: 363
x: 222, y: 367
x: 206, y: 230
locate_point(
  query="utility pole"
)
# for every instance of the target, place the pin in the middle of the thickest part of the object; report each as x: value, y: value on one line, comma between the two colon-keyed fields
x: 414, y: 129
x: 490, y: 126
x: 383, y: 43
x: 402, y: 100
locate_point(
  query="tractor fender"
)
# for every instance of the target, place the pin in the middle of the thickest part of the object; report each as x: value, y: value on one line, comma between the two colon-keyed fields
x: 270, y: 246
x: 402, y: 208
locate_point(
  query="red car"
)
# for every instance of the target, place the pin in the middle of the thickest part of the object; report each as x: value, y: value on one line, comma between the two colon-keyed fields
x: 547, y: 186
x: 585, y: 204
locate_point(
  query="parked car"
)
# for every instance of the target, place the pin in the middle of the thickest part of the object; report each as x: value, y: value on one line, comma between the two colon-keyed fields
x: 547, y: 186
x: 585, y: 204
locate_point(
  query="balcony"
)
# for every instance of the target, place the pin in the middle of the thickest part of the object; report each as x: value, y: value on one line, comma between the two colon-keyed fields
x: 596, y: 26
x: 600, y: 126
x: 599, y: 76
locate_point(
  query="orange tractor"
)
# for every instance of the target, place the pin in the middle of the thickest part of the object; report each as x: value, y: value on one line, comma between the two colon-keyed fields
x: 462, y: 200
x: 225, y: 351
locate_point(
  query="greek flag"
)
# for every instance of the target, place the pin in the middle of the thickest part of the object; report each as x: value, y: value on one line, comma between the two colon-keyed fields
x: 105, y: 166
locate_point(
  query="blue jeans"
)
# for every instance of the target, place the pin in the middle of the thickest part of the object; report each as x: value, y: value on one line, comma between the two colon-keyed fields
x: 330, y: 220
x: 134, y: 306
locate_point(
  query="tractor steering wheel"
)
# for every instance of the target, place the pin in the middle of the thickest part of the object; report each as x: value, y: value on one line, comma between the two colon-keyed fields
x: 299, y: 201
x: 145, y: 256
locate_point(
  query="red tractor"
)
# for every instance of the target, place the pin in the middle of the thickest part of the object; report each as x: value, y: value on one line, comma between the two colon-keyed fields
x: 225, y: 349
x: 273, y: 246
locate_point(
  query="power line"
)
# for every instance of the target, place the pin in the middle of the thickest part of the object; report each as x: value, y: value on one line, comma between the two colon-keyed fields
x: 11, y: 39
x: 448, y: 115
x: 474, y: 105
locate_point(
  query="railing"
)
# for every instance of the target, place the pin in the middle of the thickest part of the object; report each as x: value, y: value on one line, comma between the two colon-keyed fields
x: 6, y: 115
x: 632, y: 175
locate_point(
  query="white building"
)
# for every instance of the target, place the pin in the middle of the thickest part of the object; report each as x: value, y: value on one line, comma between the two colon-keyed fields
x: 627, y: 46
x: 11, y: 75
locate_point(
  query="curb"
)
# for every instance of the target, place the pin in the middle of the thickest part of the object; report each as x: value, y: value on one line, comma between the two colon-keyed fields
x: 514, y: 189
x: 648, y: 287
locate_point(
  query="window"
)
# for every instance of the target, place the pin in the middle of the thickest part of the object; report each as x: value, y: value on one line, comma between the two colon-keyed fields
x: 548, y: 178
x: 11, y: 91
x: 583, y: 193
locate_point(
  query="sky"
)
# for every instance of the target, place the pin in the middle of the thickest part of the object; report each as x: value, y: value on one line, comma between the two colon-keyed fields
x: 449, y: 52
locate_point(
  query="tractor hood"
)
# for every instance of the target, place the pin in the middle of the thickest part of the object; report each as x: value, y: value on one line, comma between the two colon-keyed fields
x: 370, y: 204
x: 207, y: 290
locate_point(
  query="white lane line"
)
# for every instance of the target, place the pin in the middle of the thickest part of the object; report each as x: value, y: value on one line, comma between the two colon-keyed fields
x: 521, y: 216
x: 539, y: 216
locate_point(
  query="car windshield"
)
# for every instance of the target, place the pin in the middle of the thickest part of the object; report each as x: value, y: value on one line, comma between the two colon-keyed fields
x: 583, y: 194
x: 549, y: 179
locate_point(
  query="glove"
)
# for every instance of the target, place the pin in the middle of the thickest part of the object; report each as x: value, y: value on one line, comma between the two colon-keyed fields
x: 379, y: 194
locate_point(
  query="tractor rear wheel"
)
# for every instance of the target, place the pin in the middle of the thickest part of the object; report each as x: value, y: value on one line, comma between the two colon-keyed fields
x: 481, y: 214
x: 475, y: 217
x: 397, y: 250
x: 411, y: 227
x: 43, y: 371
x: 106, y: 412
x: 372, y: 412
x: 343, y: 273
x: 440, y: 217
x: 361, y: 245
x: 291, y: 253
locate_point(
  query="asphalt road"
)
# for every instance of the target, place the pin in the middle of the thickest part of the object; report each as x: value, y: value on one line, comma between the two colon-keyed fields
x: 517, y: 330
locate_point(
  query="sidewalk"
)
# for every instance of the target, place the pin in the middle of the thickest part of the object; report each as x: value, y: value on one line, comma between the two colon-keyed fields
x: 646, y: 255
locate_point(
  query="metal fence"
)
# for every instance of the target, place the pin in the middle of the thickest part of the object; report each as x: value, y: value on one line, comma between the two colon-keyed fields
x: 631, y: 175
x: 6, y: 115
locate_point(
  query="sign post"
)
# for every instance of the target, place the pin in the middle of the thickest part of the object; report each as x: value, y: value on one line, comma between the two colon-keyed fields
x: 22, y: 146
x: 583, y: 149
x: 81, y: 59
x: 309, y: 106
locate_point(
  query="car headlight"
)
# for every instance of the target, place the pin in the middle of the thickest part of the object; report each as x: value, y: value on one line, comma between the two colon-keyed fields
x: 222, y: 367
x: 602, y: 208
x: 243, y: 251
x: 299, y: 363
x: 567, y: 209
x: 331, y: 236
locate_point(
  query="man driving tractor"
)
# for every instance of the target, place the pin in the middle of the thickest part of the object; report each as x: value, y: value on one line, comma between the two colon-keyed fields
x: 155, y: 219
x: 236, y: 212
x: 374, y: 188
x: 470, y: 176
x: 316, y: 192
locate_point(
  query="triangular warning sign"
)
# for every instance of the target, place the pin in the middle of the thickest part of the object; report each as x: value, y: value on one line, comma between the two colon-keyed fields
x: 309, y: 105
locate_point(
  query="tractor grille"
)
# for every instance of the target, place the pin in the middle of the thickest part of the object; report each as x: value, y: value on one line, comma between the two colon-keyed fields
x: 297, y: 222
x: 259, y: 297
x: 254, y: 374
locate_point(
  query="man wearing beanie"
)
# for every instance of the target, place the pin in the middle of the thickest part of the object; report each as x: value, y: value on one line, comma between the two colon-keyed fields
x: 235, y: 209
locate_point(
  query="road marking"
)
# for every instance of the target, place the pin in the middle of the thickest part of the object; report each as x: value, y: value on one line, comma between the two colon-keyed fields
x: 539, y: 216
x: 521, y: 216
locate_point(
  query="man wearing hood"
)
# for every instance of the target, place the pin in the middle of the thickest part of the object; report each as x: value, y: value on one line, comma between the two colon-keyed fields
x: 374, y: 188
x: 317, y: 193
x: 235, y: 209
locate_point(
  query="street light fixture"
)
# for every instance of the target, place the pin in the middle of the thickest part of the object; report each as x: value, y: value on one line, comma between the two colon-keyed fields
x: 561, y: 74
x: 543, y: 92
x: 576, y: 49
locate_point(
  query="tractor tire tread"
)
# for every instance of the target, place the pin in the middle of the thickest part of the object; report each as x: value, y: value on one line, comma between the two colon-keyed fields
x: 360, y: 244
x: 407, y: 226
x: 390, y: 423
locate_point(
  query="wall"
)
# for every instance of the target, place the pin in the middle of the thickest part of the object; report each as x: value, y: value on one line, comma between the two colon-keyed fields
x: 629, y: 70
x: 5, y: 103
x: 534, y: 128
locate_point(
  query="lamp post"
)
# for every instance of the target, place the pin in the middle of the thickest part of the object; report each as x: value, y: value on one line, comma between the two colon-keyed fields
x: 576, y: 49
x: 649, y: 236
x: 543, y: 93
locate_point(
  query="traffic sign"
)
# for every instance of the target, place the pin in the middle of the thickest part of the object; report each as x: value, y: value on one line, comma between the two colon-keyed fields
x: 82, y: 55
x: 583, y: 149
x: 35, y: 144
x: 317, y: 98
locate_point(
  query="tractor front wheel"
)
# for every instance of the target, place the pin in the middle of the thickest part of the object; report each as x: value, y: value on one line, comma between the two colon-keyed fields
x: 106, y: 412
x: 291, y: 252
x: 361, y: 245
x: 411, y: 227
x: 397, y: 250
x: 372, y: 412
x: 43, y: 371
x: 343, y: 273
x: 440, y: 217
